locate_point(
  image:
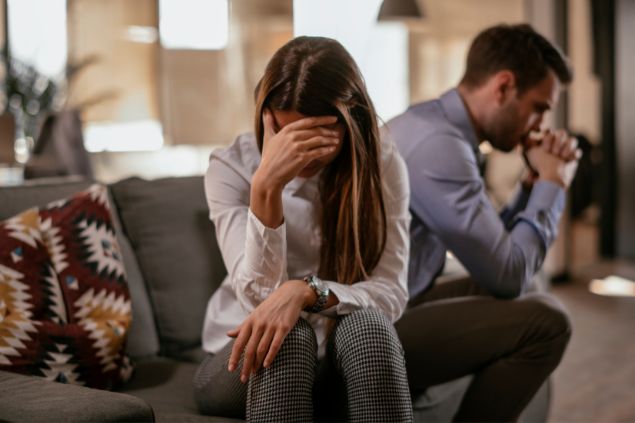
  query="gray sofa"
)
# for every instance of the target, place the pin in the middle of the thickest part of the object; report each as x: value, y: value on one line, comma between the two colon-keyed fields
x: 173, y: 266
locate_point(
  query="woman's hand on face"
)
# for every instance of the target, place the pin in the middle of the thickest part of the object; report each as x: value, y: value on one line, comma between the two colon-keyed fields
x: 286, y: 152
x: 261, y: 335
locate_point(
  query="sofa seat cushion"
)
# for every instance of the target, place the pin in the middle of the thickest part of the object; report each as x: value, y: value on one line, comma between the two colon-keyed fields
x: 167, y: 386
x: 166, y: 221
x: 64, y: 301
x: 32, y: 399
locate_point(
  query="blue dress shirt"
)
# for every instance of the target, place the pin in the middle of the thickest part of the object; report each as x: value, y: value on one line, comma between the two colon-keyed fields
x: 451, y: 211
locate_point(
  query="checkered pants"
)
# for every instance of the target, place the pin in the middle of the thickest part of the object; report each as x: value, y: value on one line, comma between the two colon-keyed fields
x: 361, y: 379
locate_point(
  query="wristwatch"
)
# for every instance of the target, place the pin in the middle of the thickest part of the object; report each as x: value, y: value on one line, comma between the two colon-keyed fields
x: 321, y: 290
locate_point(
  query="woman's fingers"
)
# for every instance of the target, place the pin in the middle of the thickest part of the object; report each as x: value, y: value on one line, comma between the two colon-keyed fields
x: 316, y: 153
x: 263, y: 349
x: 275, y: 346
x: 257, y: 346
x: 300, y: 159
x: 303, y: 135
x: 239, y: 346
x: 250, y: 353
x: 261, y: 336
x: 234, y: 332
x: 311, y: 122
x: 316, y: 142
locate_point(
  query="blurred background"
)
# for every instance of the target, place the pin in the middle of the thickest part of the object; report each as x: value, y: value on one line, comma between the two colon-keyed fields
x: 115, y: 88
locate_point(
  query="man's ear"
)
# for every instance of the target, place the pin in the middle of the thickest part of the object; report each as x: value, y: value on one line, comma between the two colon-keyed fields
x: 504, y: 84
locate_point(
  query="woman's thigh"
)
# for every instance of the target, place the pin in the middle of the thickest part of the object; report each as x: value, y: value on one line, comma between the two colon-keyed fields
x: 365, y: 352
x: 219, y: 392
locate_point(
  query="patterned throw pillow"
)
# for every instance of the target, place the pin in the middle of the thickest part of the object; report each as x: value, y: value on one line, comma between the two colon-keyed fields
x: 64, y: 301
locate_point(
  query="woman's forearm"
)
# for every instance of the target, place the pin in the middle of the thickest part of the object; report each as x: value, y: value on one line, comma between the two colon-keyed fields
x: 266, y: 201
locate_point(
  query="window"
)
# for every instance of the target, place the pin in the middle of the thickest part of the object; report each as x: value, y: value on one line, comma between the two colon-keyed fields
x: 194, y: 24
x: 380, y: 49
x: 121, y: 86
x: 37, y: 34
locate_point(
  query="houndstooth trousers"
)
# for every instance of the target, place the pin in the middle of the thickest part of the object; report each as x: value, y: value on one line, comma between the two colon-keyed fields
x: 362, y: 378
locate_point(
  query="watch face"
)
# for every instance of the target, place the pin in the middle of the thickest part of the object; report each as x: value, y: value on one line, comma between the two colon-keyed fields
x: 321, y: 287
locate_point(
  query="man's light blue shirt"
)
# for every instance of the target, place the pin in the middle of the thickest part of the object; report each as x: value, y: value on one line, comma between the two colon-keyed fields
x: 451, y: 211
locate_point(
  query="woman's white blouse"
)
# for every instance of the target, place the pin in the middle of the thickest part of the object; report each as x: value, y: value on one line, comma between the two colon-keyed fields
x: 259, y: 259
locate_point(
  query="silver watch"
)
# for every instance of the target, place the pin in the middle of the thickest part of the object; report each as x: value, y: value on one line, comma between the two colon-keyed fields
x: 322, y: 291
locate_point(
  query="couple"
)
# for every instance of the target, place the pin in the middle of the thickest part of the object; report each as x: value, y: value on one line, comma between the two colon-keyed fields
x: 332, y: 241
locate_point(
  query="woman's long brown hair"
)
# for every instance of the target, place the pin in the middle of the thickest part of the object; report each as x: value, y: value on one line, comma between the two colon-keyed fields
x: 316, y: 76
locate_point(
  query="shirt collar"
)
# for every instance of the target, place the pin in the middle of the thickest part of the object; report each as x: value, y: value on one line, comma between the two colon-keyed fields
x: 458, y: 115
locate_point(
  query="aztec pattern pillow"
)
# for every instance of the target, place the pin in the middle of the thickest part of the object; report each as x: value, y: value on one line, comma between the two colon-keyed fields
x: 64, y: 301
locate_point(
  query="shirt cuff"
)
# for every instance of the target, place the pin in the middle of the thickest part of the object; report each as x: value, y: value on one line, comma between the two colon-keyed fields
x: 346, y: 304
x: 265, y: 252
x: 546, y: 195
x: 543, y: 210
x: 264, y: 230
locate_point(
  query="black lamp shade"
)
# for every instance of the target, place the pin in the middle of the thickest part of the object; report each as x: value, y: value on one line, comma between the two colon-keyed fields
x: 399, y: 9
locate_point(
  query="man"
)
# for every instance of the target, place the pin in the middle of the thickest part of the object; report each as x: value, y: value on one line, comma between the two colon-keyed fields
x: 486, y: 326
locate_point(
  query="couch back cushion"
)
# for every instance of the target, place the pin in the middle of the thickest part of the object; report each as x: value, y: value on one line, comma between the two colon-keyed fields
x: 143, y: 339
x: 166, y: 221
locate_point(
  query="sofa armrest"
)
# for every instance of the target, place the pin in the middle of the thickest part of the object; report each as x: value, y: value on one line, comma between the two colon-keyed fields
x: 32, y: 399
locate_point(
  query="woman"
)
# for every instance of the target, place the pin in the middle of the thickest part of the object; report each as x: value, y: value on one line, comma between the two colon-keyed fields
x: 312, y: 219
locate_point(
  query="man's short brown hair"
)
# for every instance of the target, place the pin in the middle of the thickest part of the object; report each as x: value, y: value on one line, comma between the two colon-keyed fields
x: 519, y: 49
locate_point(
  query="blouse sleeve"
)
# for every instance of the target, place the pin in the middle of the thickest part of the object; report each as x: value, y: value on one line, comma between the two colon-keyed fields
x: 254, y: 254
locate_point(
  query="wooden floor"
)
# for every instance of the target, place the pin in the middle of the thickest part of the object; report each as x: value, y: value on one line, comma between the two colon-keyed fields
x: 596, y: 379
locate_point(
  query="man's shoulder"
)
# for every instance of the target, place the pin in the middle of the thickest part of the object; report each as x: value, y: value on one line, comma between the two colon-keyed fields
x: 432, y: 145
x: 427, y: 113
x: 425, y: 129
x: 424, y: 125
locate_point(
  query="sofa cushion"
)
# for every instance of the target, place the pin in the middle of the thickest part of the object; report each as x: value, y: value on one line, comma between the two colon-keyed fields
x: 167, y: 385
x: 143, y: 339
x: 166, y: 221
x: 65, y: 305
x: 31, y: 399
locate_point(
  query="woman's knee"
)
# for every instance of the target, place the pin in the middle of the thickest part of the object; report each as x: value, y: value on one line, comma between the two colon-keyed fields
x: 218, y: 391
x: 282, y: 392
x: 298, y: 351
x: 300, y: 340
x: 366, y: 330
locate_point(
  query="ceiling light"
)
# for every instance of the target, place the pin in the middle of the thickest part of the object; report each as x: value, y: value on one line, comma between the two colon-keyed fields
x: 399, y: 9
